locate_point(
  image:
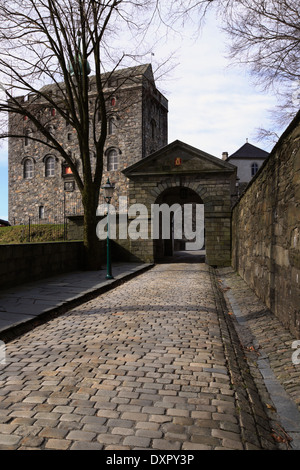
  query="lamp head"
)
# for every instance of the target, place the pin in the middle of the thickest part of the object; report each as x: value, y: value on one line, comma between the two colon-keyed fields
x: 108, y: 190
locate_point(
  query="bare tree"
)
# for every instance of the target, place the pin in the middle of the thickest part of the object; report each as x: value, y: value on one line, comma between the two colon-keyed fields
x: 264, y: 35
x: 45, y: 42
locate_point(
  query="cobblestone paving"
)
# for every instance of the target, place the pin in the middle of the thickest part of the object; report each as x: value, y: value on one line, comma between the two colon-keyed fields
x: 148, y: 365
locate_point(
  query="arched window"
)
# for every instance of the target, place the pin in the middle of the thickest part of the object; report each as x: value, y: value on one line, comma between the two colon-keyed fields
x: 254, y: 169
x: 111, y: 125
x: 28, y: 134
x: 112, y: 160
x: 50, y: 166
x: 51, y: 130
x: 28, y: 169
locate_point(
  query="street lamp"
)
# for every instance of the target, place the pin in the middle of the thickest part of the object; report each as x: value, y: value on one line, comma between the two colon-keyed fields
x: 108, y: 190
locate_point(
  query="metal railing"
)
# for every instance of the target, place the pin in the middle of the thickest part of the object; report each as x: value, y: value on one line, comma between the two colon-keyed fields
x: 51, y: 228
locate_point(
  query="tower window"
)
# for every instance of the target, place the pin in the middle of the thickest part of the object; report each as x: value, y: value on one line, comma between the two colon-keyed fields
x: 28, y: 134
x: 112, y: 126
x: 50, y: 166
x: 28, y: 168
x: 50, y: 129
x: 112, y: 160
x: 41, y: 212
x: 254, y: 169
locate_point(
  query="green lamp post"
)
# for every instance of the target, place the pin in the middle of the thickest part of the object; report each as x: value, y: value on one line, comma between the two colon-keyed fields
x: 108, y: 190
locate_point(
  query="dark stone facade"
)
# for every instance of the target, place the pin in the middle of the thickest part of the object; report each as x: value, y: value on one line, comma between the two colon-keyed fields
x: 138, y: 125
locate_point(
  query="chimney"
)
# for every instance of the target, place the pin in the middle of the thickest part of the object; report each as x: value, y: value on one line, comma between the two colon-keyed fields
x: 224, y: 155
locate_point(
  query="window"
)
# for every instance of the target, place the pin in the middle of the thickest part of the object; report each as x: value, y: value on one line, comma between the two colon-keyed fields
x: 112, y: 160
x: 254, y: 169
x: 112, y: 126
x: 28, y: 168
x: 41, y: 212
x: 50, y: 129
x: 50, y: 166
x: 28, y: 134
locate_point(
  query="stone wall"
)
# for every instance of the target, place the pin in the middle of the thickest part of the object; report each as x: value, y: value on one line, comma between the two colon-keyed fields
x: 266, y: 230
x: 32, y: 261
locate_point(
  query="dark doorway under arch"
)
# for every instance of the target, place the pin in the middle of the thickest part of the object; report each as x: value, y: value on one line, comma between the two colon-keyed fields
x: 173, y: 249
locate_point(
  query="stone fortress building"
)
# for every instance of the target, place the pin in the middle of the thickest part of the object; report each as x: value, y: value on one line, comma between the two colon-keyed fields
x: 139, y: 161
x: 41, y: 184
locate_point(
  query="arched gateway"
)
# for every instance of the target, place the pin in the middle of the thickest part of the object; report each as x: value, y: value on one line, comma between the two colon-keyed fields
x: 179, y: 173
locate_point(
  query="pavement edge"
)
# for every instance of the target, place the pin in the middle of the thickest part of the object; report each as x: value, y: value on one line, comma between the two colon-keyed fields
x: 18, y: 330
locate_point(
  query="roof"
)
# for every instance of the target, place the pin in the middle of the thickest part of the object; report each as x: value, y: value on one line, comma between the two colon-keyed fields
x: 132, y: 74
x: 192, y: 160
x: 249, y: 151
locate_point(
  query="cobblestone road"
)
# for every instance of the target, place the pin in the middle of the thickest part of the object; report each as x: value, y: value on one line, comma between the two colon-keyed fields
x: 151, y: 364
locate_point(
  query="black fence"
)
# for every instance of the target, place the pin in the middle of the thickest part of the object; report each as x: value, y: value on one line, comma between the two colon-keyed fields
x: 40, y: 229
x: 53, y: 227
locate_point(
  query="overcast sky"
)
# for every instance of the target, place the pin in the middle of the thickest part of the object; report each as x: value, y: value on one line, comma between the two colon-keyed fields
x: 212, y: 107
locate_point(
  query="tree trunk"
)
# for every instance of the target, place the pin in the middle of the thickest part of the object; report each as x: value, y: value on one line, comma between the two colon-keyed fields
x: 92, y: 253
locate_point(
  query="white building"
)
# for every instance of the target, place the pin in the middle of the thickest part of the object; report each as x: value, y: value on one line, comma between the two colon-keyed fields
x: 248, y: 159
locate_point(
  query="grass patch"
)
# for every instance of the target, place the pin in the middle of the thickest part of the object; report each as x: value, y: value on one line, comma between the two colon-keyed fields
x: 38, y: 233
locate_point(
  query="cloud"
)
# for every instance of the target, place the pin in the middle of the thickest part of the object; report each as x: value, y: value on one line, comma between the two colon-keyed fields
x: 212, y: 105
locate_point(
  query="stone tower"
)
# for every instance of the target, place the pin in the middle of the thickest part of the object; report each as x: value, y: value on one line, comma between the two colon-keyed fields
x: 41, y: 185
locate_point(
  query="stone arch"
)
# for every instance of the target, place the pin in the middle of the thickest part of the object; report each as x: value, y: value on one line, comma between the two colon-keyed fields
x: 179, y: 182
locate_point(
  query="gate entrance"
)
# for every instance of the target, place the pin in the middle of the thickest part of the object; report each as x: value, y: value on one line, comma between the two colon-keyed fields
x: 180, y: 245
x: 180, y: 174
